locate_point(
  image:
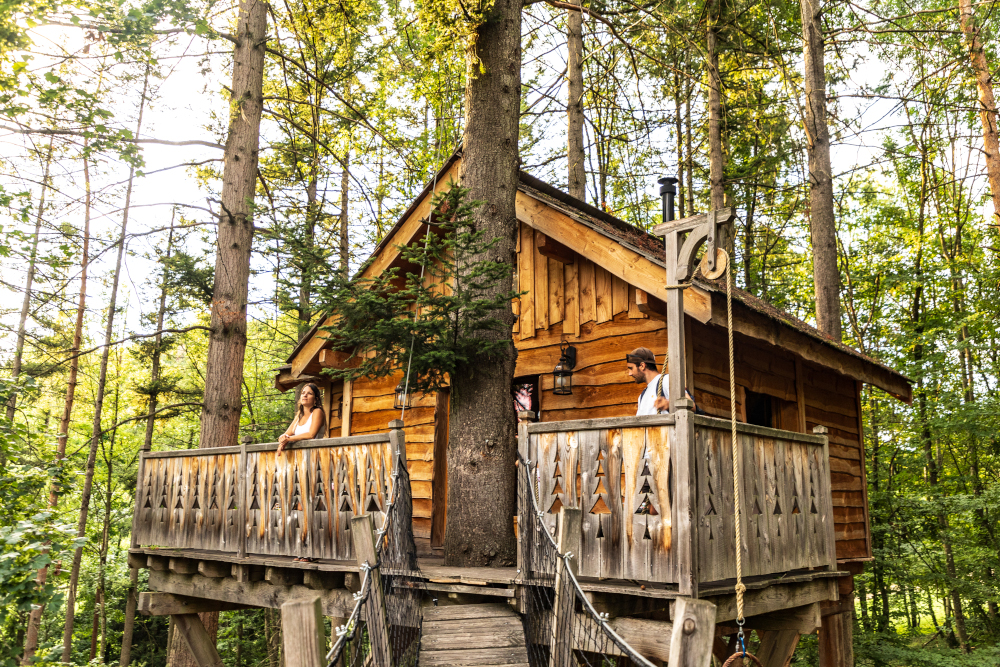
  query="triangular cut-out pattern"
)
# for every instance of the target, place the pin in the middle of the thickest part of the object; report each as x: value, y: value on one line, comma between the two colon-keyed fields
x: 296, y: 492
x: 600, y: 507
x: 556, y: 506
x: 163, y: 490
x: 600, y: 529
x: 645, y: 535
x: 213, y: 499
x: 812, y: 493
x: 275, y: 496
x: 558, y: 488
x: 646, y: 486
x: 319, y: 502
x: 600, y: 487
x: 710, y: 483
x: 231, y: 503
x: 195, y: 504
x: 254, y: 493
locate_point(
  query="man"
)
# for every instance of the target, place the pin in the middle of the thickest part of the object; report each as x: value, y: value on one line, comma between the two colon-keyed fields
x: 641, y: 365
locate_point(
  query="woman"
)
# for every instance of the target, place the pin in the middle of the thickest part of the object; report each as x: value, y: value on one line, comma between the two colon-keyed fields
x: 310, y: 420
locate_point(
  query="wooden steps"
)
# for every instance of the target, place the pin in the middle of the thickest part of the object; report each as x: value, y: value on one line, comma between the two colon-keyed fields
x: 472, y: 634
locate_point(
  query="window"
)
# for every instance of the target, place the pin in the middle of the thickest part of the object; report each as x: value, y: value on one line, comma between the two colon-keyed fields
x: 758, y: 408
x: 525, y: 393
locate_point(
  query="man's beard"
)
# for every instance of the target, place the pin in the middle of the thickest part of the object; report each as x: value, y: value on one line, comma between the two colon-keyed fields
x: 640, y: 379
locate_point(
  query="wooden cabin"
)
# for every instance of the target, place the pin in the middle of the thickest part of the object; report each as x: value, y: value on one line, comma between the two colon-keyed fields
x: 594, y: 281
x: 652, y: 496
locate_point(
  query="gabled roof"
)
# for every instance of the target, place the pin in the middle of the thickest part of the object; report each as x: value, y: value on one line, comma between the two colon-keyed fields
x: 774, y: 325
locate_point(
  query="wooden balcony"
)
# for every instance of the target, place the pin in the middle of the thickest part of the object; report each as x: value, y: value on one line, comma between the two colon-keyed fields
x: 656, y: 495
x: 247, y: 500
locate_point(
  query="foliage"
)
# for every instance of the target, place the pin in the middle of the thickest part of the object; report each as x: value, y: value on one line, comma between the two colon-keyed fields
x: 431, y: 319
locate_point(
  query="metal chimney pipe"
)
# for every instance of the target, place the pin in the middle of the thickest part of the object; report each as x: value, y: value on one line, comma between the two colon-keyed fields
x: 668, y: 188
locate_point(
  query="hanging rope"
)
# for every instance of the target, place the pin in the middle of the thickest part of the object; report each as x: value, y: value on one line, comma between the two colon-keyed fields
x: 740, y: 588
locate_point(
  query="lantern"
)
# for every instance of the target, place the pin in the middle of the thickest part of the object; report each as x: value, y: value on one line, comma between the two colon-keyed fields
x: 402, y: 399
x: 562, y: 375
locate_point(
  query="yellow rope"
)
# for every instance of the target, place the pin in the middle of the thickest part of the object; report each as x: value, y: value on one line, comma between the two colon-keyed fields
x: 740, y: 588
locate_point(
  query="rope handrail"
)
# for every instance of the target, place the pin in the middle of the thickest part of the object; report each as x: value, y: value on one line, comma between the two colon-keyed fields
x: 591, y: 614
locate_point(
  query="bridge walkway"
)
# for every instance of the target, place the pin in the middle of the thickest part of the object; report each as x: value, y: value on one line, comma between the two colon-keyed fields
x: 473, y: 634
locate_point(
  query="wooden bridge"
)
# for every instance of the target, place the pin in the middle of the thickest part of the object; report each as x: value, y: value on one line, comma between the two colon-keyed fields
x: 644, y: 504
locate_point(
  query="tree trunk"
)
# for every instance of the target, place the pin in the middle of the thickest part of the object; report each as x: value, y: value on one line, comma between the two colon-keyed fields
x: 28, y: 281
x: 482, y: 446
x: 823, y: 227
x: 345, y: 182
x: 95, y: 437
x: 35, y: 620
x: 687, y: 146
x: 147, y: 445
x: 987, y: 101
x: 680, y: 144
x: 716, y: 160
x: 220, y: 420
x: 574, y: 106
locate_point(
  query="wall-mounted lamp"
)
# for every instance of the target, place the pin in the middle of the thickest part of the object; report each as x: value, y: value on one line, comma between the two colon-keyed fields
x: 563, y: 374
x: 402, y: 399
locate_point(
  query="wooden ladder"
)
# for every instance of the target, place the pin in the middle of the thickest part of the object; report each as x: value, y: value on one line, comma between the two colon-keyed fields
x: 472, y: 634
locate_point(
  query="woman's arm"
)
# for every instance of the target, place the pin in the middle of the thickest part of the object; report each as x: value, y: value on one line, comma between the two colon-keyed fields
x: 314, y: 426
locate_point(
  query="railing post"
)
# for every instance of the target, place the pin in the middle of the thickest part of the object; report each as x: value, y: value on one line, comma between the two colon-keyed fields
x: 303, y: 633
x: 403, y: 528
x: 568, y: 540
x: 375, y: 615
x: 525, y: 520
x: 241, y: 500
x: 693, y: 633
x: 140, y: 470
x: 829, y: 533
x: 685, y: 498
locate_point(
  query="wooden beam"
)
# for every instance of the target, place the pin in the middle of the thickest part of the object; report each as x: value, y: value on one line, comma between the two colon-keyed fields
x: 337, y: 602
x: 775, y: 598
x: 168, y: 604
x: 333, y: 359
x: 549, y: 247
x: 777, y: 647
x: 158, y: 563
x: 197, y: 639
x: 183, y: 566
x: 345, y: 410
x: 318, y: 580
x: 280, y: 576
x: 803, y: 620
x: 303, y: 633
x: 650, y: 305
x: 693, y: 633
x: 836, y: 641
x: 215, y: 568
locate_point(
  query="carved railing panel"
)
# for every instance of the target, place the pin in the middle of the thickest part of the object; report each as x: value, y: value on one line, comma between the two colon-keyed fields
x: 298, y: 504
x: 621, y: 473
x: 189, y: 501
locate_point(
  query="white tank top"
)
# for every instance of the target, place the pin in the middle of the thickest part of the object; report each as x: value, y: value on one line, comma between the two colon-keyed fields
x: 304, y: 428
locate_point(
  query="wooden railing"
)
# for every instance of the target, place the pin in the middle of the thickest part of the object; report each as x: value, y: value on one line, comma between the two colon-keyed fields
x: 248, y: 500
x: 657, y: 496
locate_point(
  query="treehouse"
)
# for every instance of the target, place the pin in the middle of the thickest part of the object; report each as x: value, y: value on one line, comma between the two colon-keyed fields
x: 653, y: 496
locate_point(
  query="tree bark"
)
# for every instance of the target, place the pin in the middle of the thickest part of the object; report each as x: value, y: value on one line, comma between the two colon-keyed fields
x: 680, y: 144
x: 35, y: 620
x: 482, y: 446
x: 96, y: 433
x: 220, y: 420
x: 28, y: 281
x: 716, y: 159
x: 987, y: 101
x: 574, y: 105
x: 147, y: 445
x: 345, y: 247
x: 822, y: 224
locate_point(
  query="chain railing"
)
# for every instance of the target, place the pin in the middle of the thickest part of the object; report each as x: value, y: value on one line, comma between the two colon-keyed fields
x: 561, y: 626
x: 385, y: 625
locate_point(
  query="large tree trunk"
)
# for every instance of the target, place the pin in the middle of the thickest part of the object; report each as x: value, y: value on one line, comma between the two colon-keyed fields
x: 220, y: 419
x: 96, y: 433
x: 345, y: 246
x: 823, y: 227
x: 35, y: 620
x: 574, y: 45
x: 482, y: 446
x: 987, y: 101
x: 147, y: 445
x: 678, y: 121
x: 716, y: 159
x: 28, y: 282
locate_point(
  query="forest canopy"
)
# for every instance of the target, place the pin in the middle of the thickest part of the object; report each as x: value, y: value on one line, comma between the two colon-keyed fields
x: 115, y: 125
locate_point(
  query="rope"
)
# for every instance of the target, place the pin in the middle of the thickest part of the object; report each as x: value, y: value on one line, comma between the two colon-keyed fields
x: 740, y: 588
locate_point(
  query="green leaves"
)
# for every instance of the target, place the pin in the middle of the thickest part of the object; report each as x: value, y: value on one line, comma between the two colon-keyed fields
x: 442, y: 312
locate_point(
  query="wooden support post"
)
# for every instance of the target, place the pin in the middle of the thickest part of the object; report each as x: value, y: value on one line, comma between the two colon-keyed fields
x: 685, y: 497
x: 183, y: 566
x: 345, y: 414
x: 675, y: 329
x: 404, y: 501
x: 777, y: 647
x: 198, y: 641
x: 568, y: 540
x: 829, y: 535
x: 280, y: 576
x: 363, y: 534
x: 836, y: 641
x: 215, y: 569
x: 303, y: 633
x: 525, y: 517
x: 693, y: 633
x: 134, y: 542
